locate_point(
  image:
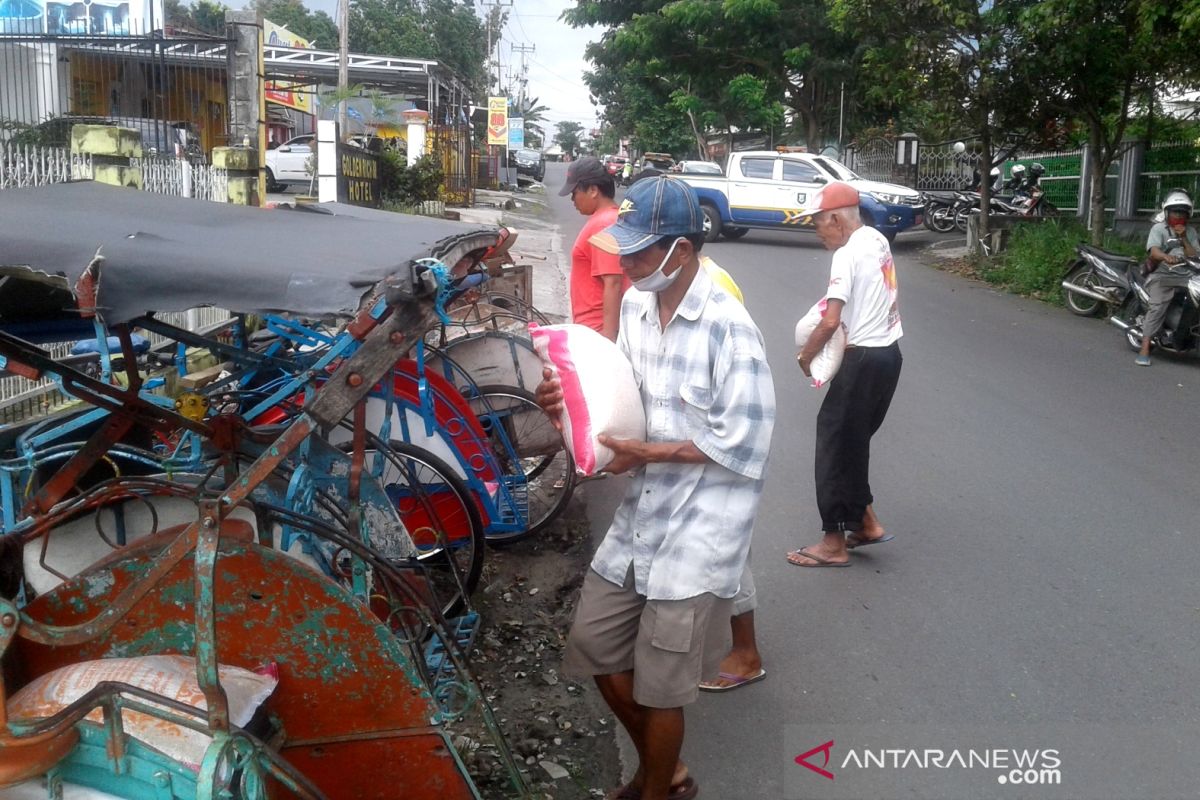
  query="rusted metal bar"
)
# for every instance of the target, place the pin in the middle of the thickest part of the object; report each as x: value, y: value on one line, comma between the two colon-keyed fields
x: 97, y: 393
x: 380, y: 350
x: 57, y: 636
x: 207, y: 677
x: 69, y: 474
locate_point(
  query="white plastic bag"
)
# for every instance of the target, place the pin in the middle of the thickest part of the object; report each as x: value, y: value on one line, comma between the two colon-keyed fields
x: 600, y: 392
x: 826, y: 363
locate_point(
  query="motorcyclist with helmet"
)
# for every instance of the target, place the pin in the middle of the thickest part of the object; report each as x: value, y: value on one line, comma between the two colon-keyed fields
x: 1168, y: 270
x: 1016, y: 181
x: 1033, y: 183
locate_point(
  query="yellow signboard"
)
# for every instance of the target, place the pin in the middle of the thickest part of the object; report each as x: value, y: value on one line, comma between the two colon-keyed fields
x: 497, y: 126
x: 292, y: 95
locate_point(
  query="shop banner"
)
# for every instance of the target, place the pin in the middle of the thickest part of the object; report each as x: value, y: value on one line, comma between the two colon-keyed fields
x: 292, y: 95
x: 497, y: 128
x: 516, y: 133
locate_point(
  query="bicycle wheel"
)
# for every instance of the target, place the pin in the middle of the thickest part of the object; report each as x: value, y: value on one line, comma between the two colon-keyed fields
x: 442, y: 518
x: 530, y: 451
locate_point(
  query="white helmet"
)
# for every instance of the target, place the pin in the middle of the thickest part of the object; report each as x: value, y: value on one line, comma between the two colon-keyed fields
x: 1178, y: 200
x: 1018, y: 170
x: 995, y: 172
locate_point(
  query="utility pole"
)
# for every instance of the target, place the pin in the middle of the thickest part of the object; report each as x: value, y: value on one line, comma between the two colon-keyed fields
x: 524, y: 50
x: 488, y: 17
x: 343, y: 10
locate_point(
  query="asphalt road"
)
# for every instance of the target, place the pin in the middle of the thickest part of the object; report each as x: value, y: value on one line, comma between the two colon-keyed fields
x: 1042, y: 490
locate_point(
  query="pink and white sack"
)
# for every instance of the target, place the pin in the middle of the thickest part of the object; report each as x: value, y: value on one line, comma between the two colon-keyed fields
x: 600, y: 392
x: 827, y: 362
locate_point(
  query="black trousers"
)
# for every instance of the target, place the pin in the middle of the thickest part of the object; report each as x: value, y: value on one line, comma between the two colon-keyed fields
x: 856, y: 402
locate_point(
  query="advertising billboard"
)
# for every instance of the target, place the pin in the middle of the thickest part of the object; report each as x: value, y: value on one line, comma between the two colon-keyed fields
x: 516, y: 133
x: 292, y: 95
x: 497, y: 128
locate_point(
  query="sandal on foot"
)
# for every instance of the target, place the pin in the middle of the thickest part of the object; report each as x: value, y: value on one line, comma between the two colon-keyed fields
x: 817, y: 560
x: 857, y: 541
x: 735, y: 681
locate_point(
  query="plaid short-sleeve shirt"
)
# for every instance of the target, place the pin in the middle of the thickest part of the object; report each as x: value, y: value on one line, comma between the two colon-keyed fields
x: 686, y: 528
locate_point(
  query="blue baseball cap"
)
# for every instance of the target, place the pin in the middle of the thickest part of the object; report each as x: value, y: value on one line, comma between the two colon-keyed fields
x: 652, y: 209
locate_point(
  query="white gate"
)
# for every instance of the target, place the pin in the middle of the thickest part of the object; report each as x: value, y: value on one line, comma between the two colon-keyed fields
x: 29, y: 165
x: 180, y: 178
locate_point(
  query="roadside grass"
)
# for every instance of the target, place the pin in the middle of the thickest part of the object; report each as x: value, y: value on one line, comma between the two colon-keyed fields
x: 1037, y: 257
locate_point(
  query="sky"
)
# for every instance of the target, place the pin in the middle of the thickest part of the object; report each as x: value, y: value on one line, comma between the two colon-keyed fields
x: 557, y: 65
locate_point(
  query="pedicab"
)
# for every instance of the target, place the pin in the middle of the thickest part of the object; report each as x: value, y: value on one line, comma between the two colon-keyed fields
x: 204, y: 575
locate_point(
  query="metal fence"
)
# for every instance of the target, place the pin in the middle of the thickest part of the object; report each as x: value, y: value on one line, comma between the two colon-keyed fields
x: 22, y: 399
x: 451, y: 145
x: 1166, y: 166
x: 1063, y: 173
x: 26, y: 165
x: 1163, y: 166
x: 61, y: 66
x: 875, y: 159
x: 178, y: 177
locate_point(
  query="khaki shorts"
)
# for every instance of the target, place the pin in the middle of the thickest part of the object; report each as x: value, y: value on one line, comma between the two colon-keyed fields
x: 670, y: 645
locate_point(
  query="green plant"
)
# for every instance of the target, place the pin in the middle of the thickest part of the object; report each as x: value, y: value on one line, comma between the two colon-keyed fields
x: 403, y: 185
x: 1038, y: 254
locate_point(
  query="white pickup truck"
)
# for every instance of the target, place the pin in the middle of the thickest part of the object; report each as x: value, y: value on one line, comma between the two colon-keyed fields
x: 770, y: 190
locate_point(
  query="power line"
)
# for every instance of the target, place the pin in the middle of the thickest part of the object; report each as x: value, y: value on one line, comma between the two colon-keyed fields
x: 550, y: 72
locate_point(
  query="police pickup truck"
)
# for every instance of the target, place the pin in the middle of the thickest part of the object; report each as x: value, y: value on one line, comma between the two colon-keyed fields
x: 770, y: 190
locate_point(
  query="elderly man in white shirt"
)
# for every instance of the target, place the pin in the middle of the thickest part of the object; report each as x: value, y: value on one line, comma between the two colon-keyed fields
x: 862, y: 294
x: 653, y: 616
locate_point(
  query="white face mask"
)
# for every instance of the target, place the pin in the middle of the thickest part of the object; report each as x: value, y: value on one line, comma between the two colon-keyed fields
x: 658, y: 281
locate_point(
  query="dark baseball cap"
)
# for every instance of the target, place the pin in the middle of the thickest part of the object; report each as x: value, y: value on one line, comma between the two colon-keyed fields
x: 652, y: 209
x: 587, y: 168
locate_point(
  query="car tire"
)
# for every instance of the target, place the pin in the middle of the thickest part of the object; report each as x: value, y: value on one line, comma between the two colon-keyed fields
x: 712, y: 222
x: 734, y: 233
x: 272, y: 184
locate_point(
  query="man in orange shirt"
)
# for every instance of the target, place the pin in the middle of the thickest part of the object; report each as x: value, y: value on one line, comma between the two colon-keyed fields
x: 597, y: 282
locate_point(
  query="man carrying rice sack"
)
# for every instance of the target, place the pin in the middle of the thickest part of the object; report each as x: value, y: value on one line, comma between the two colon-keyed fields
x: 862, y: 294
x: 653, y: 616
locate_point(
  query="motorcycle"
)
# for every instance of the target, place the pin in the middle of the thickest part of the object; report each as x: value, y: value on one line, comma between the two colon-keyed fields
x: 1025, y: 203
x: 1099, y: 280
x: 938, y: 211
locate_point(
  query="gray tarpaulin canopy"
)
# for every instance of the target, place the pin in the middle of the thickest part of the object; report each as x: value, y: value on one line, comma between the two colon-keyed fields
x: 171, y: 254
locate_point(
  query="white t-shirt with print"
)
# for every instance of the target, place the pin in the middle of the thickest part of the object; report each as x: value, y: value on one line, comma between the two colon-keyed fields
x: 864, y: 277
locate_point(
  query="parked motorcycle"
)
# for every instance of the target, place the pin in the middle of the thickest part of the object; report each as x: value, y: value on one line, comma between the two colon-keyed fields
x: 1026, y: 203
x: 1099, y: 280
x: 938, y: 211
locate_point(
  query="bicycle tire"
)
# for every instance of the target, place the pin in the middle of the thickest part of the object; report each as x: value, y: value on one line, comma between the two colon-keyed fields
x: 549, y: 476
x: 451, y: 507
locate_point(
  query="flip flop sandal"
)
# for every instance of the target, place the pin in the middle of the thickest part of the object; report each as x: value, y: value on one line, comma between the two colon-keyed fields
x: 735, y: 681
x: 819, y: 561
x: 853, y: 542
x: 687, y: 790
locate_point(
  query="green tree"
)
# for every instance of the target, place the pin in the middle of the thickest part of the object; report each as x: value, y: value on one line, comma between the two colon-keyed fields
x: 209, y: 16
x: 204, y: 16
x: 178, y: 14
x: 968, y: 57
x: 568, y: 136
x: 638, y: 104
x: 316, y: 27
x: 446, y: 30
x: 1115, y: 53
x: 738, y: 60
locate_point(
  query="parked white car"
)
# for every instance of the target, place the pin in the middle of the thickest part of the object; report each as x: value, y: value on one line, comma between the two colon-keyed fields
x: 287, y: 165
